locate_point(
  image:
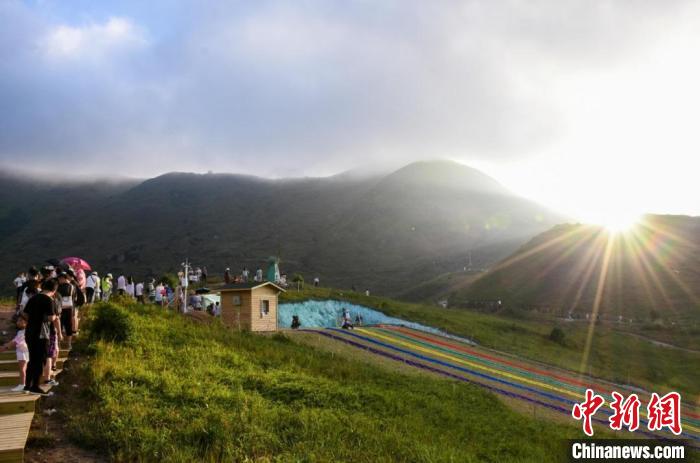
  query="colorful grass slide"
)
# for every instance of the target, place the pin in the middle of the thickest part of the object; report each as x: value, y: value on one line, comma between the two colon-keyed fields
x: 527, y: 381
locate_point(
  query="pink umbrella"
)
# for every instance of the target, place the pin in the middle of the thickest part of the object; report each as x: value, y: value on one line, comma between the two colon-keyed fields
x: 76, y: 263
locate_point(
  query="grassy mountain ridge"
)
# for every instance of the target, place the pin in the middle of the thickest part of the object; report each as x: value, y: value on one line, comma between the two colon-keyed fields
x: 381, y: 232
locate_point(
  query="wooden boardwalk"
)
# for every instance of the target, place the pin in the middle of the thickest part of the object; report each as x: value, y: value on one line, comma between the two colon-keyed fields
x: 16, y: 409
x: 14, y: 430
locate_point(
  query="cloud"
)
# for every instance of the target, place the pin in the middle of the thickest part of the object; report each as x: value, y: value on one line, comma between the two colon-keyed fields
x: 92, y: 40
x: 302, y: 88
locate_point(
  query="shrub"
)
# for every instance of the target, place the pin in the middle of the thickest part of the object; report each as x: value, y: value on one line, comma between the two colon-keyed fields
x: 557, y: 335
x: 170, y: 279
x: 111, y: 323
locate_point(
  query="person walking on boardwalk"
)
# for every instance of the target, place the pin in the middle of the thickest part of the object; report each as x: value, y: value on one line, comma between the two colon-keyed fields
x: 40, y: 313
x: 66, y: 294
x: 21, y: 351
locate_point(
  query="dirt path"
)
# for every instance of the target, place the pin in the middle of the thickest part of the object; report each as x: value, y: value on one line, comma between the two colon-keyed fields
x: 660, y: 343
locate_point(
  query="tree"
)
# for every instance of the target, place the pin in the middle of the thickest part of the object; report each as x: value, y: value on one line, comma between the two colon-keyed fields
x: 557, y: 335
x: 298, y: 278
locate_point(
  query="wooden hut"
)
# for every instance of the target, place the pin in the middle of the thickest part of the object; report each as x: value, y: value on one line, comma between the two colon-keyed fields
x: 250, y: 306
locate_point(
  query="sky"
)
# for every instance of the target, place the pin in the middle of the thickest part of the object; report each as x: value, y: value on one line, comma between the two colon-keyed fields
x: 589, y: 107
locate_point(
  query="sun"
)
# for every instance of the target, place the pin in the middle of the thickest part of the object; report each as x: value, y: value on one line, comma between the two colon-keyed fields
x: 620, y: 223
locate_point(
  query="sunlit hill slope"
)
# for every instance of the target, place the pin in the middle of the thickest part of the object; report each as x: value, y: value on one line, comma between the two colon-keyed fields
x: 649, y: 271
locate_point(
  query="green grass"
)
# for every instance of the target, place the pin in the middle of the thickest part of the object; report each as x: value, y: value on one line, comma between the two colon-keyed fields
x: 157, y: 386
x: 614, y: 355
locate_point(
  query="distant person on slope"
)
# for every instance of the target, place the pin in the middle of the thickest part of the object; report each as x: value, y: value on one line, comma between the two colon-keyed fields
x: 121, y: 285
x: 169, y: 294
x: 90, y: 287
x: 130, y: 287
x: 180, y: 305
x: 204, y: 275
x: 138, y: 291
x: 106, y: 287
x: 317, y: 281
x: 347, y: 320
x: 227, y: 276
x: 18, y: 282
x: 160, y: 293
x: 151, y: 289
x: 259, y: 275
x: 81, y: 278
x: 245, y: 274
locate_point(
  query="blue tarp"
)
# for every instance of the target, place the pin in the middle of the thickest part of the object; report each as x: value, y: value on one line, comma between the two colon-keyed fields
x: 328, y: 314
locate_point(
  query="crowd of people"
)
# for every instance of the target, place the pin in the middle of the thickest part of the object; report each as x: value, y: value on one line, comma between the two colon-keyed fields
x: 48, y: 305
x: 246, y: 276
x: 346, y: 320
x: 49, y: 301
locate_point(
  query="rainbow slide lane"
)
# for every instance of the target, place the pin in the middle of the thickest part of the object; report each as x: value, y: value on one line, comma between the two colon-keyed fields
x: 527, y: 381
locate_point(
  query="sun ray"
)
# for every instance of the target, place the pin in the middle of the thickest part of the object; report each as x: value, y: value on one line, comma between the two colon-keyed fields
x: 647, y: 269
x: 596, y: 303
x: 560, y: 258
x: 589, y: 262
x: 664, y: 267
x: 540, y: 247
x: 639, y: 270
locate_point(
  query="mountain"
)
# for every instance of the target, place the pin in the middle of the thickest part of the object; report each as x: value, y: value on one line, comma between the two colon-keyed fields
x: 383, y: 232
x: 652, y: 270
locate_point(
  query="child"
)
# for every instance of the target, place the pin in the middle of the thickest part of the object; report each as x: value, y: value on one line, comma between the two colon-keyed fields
x: 22, y: 351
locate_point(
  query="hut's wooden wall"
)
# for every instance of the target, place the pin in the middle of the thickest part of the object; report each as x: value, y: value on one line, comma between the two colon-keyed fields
x: 236, y: 316
x: 247, y: 315
x: 260, y: 322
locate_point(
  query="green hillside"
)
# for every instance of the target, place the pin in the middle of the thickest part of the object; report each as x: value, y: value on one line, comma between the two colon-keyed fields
x: 157, y: 386
x: 651, y: 272
x: 382, y: 232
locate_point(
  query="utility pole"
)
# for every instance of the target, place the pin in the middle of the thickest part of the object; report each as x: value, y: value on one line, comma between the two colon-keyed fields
x: 186, y: 265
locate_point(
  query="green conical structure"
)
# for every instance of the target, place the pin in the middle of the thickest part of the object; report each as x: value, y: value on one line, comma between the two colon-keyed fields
x: 273, y: 269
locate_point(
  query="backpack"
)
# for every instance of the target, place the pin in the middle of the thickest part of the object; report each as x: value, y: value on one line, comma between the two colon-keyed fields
x: 80, y: 298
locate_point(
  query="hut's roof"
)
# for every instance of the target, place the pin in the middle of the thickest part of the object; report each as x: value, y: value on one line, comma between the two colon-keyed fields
x: 247, y: 286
